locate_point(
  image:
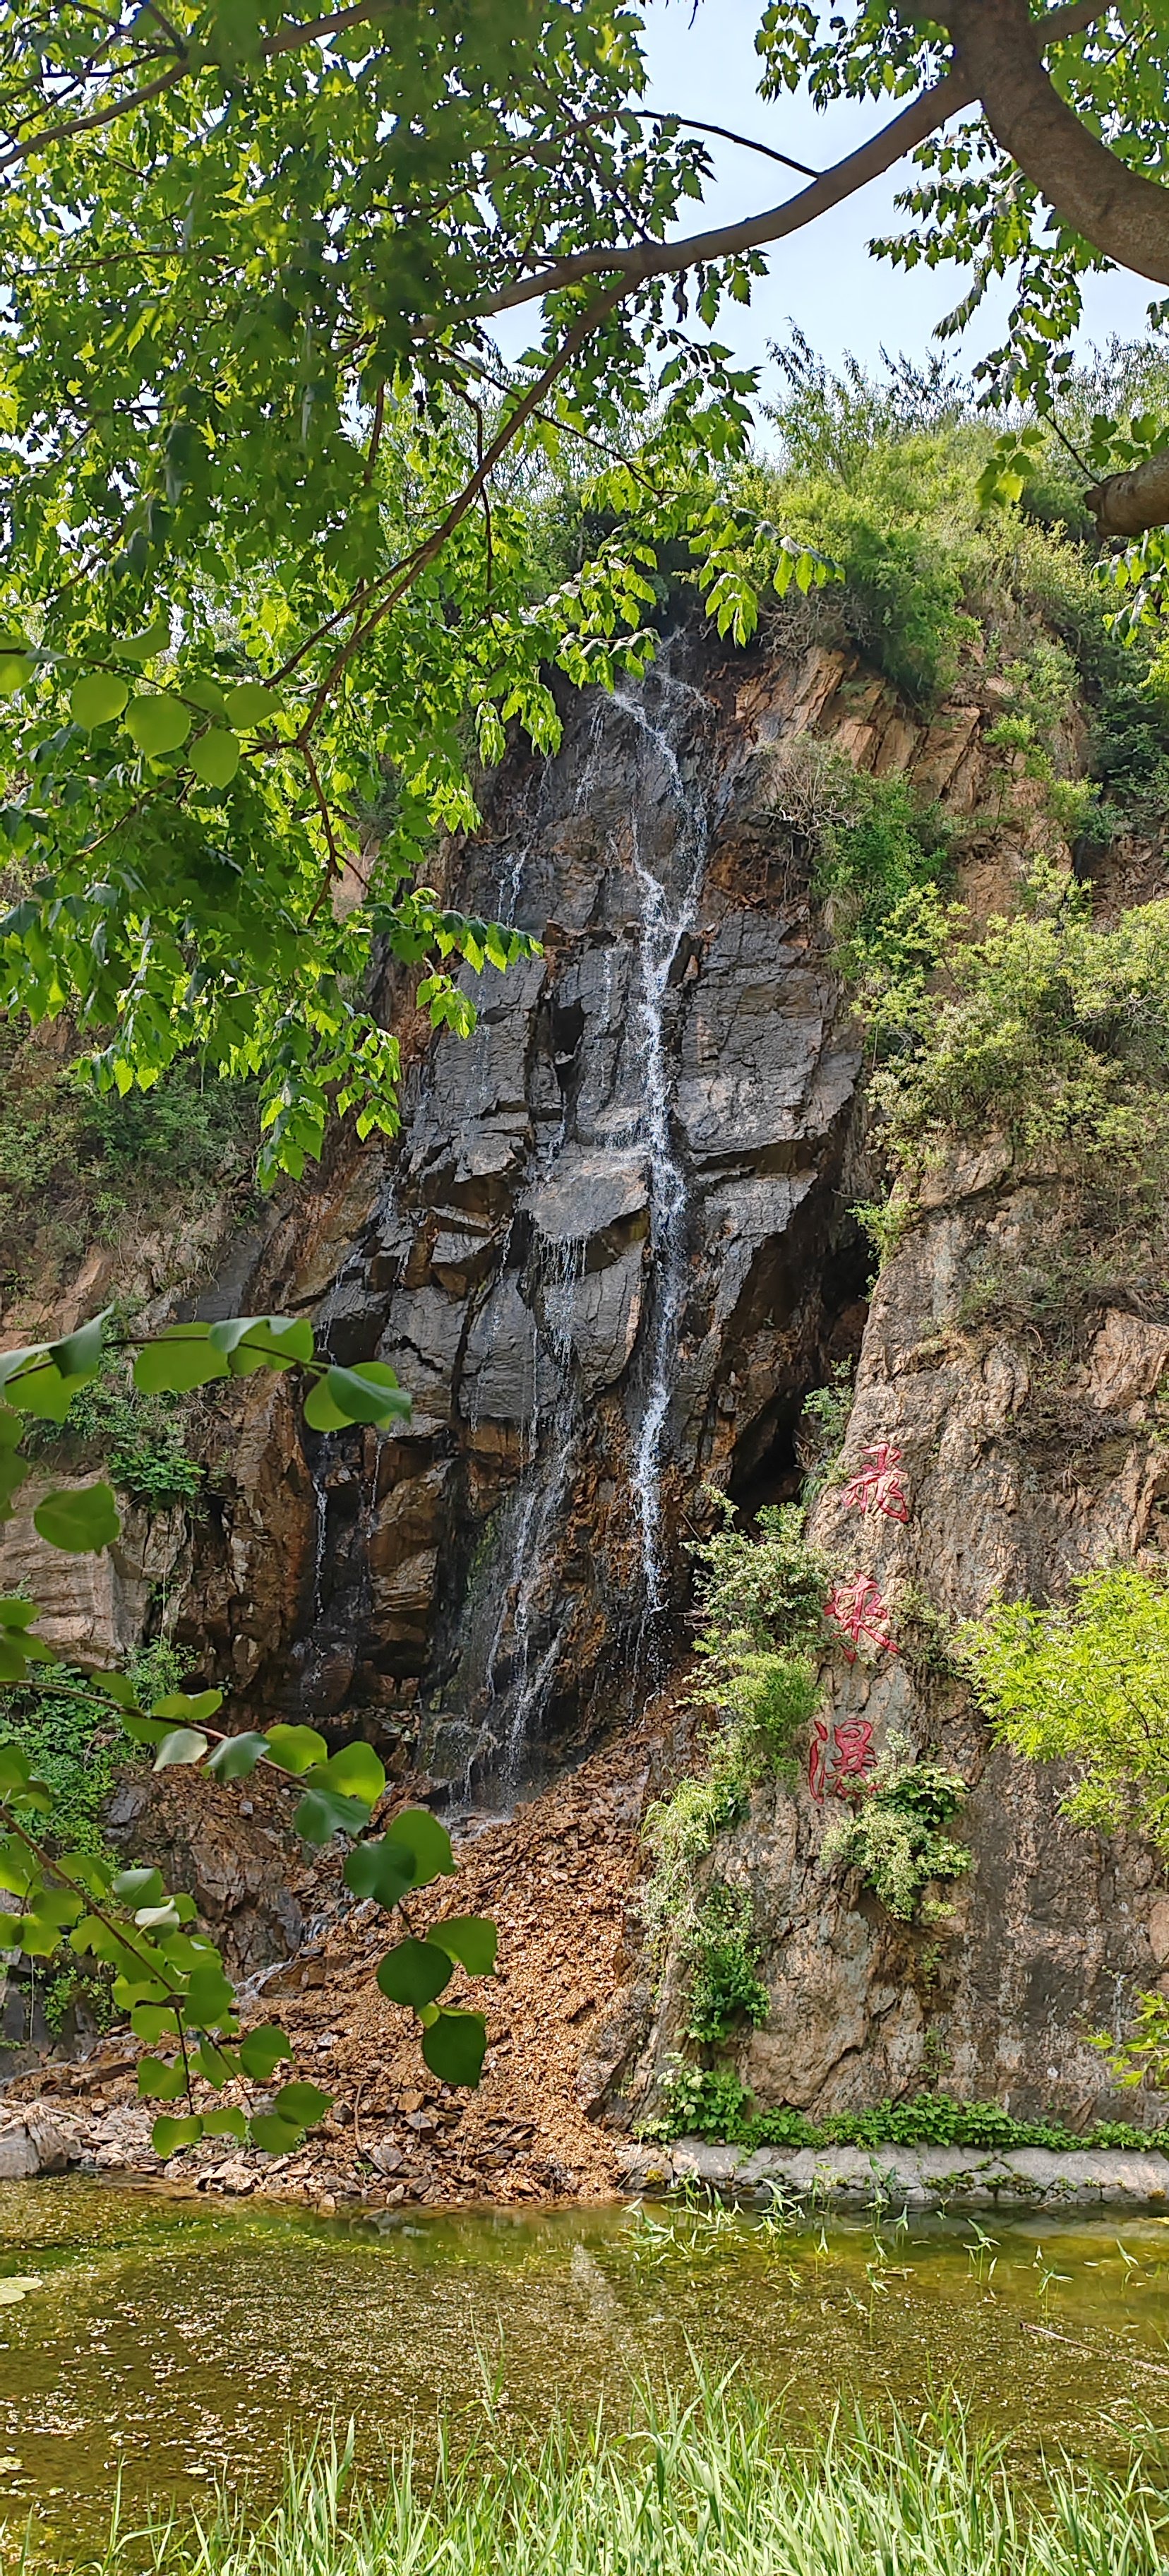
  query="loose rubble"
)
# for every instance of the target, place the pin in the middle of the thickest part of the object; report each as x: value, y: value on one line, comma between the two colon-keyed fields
x: 559, y: 1879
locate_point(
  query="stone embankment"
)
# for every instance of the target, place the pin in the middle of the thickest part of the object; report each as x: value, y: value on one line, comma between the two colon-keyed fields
x: 895, y: 2177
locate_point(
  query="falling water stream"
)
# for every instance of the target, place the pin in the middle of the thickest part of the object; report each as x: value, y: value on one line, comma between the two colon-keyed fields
x: 654, y: 735
x: 667, y: 914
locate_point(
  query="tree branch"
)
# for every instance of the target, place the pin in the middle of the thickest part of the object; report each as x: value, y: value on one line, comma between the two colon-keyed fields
x: 957, y: 89
x: 727, y: 134
x: 424, y: 553
x: 1126, y: 504
x: 996, y: 50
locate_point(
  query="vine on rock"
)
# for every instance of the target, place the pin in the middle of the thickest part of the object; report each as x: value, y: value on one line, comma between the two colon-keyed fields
x: 167, y: 1975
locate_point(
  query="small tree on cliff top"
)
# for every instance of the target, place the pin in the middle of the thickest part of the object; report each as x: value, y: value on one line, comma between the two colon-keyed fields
x: 168, y: 1977
x: 267, y: 576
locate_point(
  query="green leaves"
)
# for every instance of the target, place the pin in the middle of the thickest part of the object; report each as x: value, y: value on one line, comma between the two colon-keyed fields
x: 324, y: 1812
x: 215, y: 758
x: 160, y: 2082
x: 176, y: 1361
x: 416, y: 1831
x: 157, y: 724
x: 414, y: 1973
x: 210, y: 1997
x: 183, y: 1744
x: 18, y: 1649
x: 471, y: 1939
x: 228, y: 2123
x: 249, y: 702
x: 301, y: 2104
x: 296, y: 1748
x: 277, y: 2137
x: 237, y: 1756
x: 261, y: 2051
x: 192, y: 1711
x: 19, y: 1785
x: 356, y: 1771
x: 382, y: 1869
x: 167, y: 2135
x: 97, y: 699
x: 142, y: 648
x: 368, y: 1392
x: 455, y: 2045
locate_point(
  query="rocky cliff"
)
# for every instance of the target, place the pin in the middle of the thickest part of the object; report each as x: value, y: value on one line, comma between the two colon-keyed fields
x: 1047, y: 1937
x: 610, y: 1253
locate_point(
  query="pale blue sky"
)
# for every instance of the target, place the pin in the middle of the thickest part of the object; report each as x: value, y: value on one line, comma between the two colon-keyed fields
x: 823, y: 278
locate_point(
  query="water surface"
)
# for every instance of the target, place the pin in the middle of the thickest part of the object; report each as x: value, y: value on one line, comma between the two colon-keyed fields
x: 182, y: 2340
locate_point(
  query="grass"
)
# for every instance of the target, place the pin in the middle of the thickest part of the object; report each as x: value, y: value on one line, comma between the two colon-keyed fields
x: 715, y: 2486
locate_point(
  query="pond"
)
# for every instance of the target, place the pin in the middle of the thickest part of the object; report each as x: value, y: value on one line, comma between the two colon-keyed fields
x: 178, y: 2340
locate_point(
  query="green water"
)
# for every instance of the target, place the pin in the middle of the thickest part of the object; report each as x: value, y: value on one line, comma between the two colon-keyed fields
x: 178, y: 2340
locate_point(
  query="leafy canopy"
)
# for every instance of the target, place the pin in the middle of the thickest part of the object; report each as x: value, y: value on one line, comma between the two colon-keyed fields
x: 272, y: 581
x: 1046, y: 1028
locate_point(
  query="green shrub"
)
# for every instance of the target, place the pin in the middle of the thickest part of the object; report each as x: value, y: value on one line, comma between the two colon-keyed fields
x: 701, y: 2103
x: 1045, y: 1029
x: 761, y: 1604
x: 76, y: 1166
x: 822, y: 1427
x: 138, y: 1439
x: 894, y: 1834
x: 73, y: 1738
x: 875, y: 844
x: 75, y: 1741
x: 724, y: 1988
x: 1086, y: 1682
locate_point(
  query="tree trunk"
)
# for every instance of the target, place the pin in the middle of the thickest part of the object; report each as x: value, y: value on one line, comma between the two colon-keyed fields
x: 1116, y: 210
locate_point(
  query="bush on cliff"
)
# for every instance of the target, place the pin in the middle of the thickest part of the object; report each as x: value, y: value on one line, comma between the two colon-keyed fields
x: 1045, y: 1029
x: 761, y: 1609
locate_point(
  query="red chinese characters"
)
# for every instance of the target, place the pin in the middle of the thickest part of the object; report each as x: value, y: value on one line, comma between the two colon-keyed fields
x: 841, y: 1757
x: 856, y: 1608
x: 877, y: 1486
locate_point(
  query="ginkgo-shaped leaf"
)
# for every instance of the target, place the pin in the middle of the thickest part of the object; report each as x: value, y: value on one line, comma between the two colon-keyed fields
x: 97, y: 698
x: 455, y: 2045
x: 249, y: 702
x: 215, y: 757
x: 157, y: 724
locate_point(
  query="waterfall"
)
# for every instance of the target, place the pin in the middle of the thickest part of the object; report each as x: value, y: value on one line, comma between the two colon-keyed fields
x: 653, y: 850
x: 537, y: 1510
x: 667, y: 914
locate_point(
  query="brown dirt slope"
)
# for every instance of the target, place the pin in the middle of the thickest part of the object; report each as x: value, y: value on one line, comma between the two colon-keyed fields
x: 559, y: 1879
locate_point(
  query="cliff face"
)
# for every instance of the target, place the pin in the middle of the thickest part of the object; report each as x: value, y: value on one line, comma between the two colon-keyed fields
x: 1046, y: 1938
x: 610, y: 1253
x: 611, y: 1250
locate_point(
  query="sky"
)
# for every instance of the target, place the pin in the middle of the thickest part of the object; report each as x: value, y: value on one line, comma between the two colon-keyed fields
x: 703, y: 62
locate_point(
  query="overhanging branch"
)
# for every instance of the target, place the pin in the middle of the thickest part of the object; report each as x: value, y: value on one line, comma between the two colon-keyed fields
x: 635, y: 265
